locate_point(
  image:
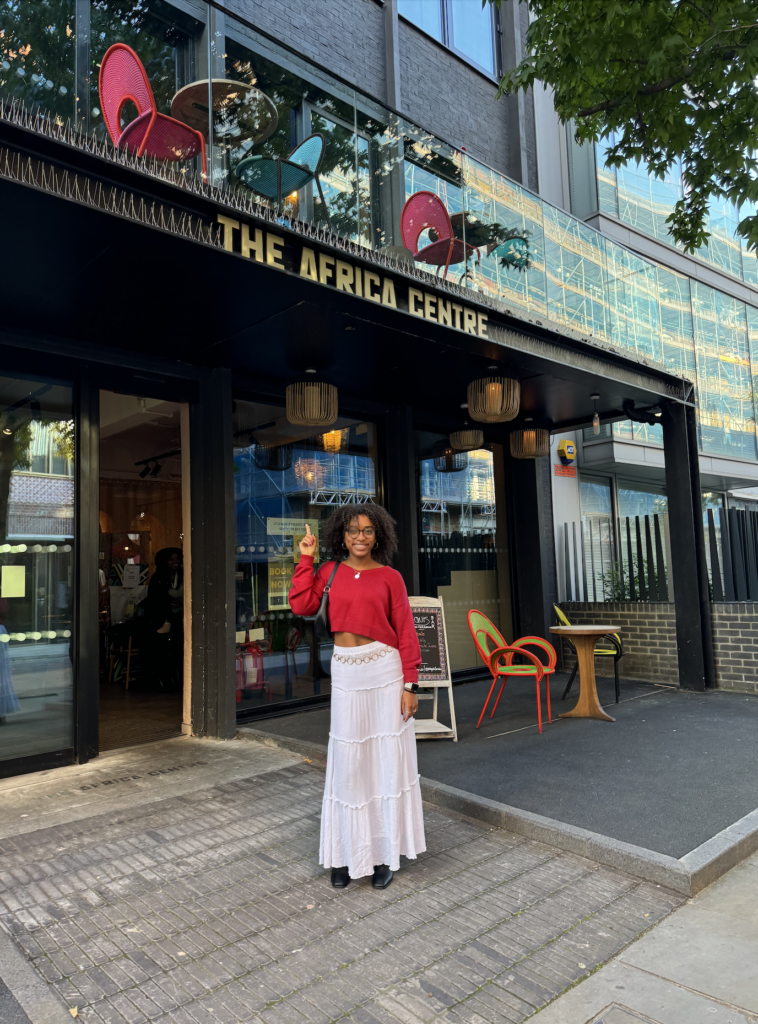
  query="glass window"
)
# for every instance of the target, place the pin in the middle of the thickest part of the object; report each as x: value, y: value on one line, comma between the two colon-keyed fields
x: 284, y: 477
x: 471, y: 32
x: 427, y: 14
x: 462, y: 541
x: 463, y: 25
x: 36, y: 567
x: 600, y: 571
x: 643, y: 540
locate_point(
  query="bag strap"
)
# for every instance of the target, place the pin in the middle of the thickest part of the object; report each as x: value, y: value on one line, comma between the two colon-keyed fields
x: 328, y: 585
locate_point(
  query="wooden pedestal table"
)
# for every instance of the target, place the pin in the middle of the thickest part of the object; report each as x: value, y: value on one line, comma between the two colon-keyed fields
x: 584, y: 639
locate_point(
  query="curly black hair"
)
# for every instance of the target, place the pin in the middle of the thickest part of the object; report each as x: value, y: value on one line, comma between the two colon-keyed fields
x: 384, y: 524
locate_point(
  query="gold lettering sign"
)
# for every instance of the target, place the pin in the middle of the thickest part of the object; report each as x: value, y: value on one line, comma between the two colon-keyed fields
x: 266, y: 247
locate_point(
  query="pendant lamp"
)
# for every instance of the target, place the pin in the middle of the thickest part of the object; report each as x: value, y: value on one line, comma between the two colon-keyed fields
x: 493, y: 399
x: 448, y: 460
x: 310, y: 473
x: 335, y: 441
x: 273, y: 457
x: 467, y: 439
x: 311, y: 402
x: 530, y: 443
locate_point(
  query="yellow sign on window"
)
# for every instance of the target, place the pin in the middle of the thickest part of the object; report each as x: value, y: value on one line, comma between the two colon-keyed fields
x: 13, y: 581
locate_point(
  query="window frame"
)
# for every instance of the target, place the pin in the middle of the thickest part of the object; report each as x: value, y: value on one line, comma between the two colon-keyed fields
x: 448, y: 40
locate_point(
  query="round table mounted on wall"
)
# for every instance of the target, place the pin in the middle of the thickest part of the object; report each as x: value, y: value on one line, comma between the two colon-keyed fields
x: 584, y: 639
x: 241, y: 111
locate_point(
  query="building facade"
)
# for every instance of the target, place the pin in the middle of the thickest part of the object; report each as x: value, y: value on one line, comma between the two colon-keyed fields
x: 209, y: 204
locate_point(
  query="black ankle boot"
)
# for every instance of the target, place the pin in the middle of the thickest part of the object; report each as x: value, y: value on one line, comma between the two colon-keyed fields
x: 340, y: 878
x: 382, y: 876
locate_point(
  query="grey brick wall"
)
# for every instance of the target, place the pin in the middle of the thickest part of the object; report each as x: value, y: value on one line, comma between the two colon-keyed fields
x: 346, y: 36
x: 648, y: 633
x: 735, y: 645
x: 443, y: 93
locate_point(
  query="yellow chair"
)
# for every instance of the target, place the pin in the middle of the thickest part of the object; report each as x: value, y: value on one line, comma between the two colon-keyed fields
x: 610, y: 647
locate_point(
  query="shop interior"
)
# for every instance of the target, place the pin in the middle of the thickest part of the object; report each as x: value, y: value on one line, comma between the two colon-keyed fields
x: 141, y: 592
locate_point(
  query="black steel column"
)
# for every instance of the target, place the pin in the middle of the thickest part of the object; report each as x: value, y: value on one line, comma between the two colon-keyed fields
x: 86, y: 547
x: 212, y: 558
x: 401, y: 501
x: 694, y: 638
x: 533, y: 545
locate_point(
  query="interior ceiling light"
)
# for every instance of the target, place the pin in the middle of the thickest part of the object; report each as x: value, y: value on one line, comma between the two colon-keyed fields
x: 157, y: 467
x: 494, y: 399
x: 595, y: 419
x: 145, y: 471
x: 335, y: 440
x: 448, y: 460
x: 310, y: 472
x: 467, y: 439
x: 530, y: 443
x: 312, y: 403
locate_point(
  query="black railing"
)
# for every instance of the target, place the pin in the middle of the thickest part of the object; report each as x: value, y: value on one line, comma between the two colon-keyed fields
x: 616, y: 560
x: 732, y: 554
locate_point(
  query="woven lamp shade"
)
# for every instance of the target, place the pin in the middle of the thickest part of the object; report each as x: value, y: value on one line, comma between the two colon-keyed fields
x: 274, y: 457
x: 335, y: 440
x: 530, y: 443
x: 467, y: 440
x: 448, y: 460
x: 493, y: 399
x: 312, y: 403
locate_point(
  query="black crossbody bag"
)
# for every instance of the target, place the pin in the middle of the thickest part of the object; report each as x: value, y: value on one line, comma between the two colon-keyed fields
x: 321, y: 622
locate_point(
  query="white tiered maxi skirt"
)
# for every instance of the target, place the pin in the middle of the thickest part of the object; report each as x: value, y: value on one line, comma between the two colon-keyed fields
x: 372, y: 811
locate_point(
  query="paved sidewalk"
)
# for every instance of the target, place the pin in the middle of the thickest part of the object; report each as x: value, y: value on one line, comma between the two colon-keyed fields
x: 193, y: 895
x: 700, y: 966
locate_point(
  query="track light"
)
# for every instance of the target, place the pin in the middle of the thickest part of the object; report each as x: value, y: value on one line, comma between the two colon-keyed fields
x: 157, y: 467
x: 145, y: 471
x: 595, y: 418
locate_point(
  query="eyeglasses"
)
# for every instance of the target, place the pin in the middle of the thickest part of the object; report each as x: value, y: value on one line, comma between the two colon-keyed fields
x: 368, y: 533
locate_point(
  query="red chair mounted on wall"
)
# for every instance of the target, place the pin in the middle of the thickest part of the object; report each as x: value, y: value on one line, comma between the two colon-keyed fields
x: 425, y: 210
x: 123, y: 78
x: 497, y: 654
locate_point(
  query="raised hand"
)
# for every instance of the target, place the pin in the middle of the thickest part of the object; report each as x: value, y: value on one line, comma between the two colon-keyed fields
x: 308, y: 543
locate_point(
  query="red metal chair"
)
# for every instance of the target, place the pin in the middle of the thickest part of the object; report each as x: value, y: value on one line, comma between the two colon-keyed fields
x: 123, y: 78
x: 425, y: 210
x: 498, y: 656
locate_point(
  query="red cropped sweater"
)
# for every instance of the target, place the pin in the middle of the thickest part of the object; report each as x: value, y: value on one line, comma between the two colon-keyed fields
x: 375, y: 605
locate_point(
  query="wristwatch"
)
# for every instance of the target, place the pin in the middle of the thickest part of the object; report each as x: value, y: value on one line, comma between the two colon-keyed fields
x: 411, y: 687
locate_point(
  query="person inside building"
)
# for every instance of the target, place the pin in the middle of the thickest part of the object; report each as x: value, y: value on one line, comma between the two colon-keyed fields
x: 371, y: 813
x: 163, y: 622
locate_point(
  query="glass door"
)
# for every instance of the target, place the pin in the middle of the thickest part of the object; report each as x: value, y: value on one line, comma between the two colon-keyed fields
x: 284, y: 477
x: 463, y: 546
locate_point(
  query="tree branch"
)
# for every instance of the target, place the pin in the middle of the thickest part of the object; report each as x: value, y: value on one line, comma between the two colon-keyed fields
x: 646, y: 90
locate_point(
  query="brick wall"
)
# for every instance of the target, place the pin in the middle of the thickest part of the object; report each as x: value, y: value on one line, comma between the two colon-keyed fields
x: 346, y: 36
x: 444, y: 94
x: 735, y: 645
x: 648, y: 633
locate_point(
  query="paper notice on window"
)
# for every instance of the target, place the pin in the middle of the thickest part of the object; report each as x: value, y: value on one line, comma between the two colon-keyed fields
x: 289, y: 532
x: 13, y: 581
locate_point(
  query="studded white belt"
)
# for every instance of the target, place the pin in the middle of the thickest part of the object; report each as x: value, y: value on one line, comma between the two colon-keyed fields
x: 347, y: 660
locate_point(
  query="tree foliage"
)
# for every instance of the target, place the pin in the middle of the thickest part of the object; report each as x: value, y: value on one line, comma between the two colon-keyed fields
x: 664, y: 80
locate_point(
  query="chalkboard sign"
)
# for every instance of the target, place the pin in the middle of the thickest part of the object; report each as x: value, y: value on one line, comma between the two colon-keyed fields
x: 429, y: 620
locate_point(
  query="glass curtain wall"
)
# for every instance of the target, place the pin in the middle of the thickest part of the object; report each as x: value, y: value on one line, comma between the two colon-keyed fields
x: 645, y: 202
x: 463, y: 547
x: 36, y: 567
x: 285, y: 477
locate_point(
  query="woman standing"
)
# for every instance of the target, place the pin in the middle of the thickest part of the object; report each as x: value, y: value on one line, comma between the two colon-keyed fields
x: 371, y: 812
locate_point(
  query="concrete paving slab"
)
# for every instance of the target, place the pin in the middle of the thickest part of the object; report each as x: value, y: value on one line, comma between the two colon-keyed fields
x: 127, y: 778
x: 709, y: 952
x: 657, y: 1000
